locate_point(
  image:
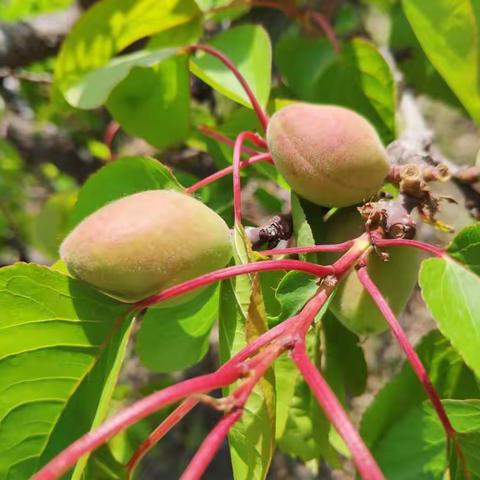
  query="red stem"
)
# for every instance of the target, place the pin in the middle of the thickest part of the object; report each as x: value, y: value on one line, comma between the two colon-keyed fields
x: 187, y: 405
x: 183, y: 409
x: 338, y: 247
x: 406, y: 346
x: 324, y: 24
x: 262, y: 116
x: 210, y: 446
x: 403, y: 242
x: 363, y: 459
x: 261, y: 157
x: 112, y: 129
x: 212, y: 442
x: 226, y: 375
x: 134, y: 413
x: 210, y: 132
x: 237, y: 187
x: 229, y: 272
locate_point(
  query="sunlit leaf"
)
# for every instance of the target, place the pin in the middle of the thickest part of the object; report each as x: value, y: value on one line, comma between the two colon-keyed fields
x: 248, y: 47
x: 154, y: 103
x: 106, y: 29
x: 450, y: 291
x: 61, y: 348
x: 448, y: 32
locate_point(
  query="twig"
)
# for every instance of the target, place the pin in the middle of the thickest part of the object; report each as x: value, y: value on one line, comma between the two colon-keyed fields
x: 401, y: 242
x: 229, y: 272
x: 261, y: 157
x: 363, y: 459
x: 262, y: 116
x: 210, y: 132
x: 406, y: 346
x: 237, y: 187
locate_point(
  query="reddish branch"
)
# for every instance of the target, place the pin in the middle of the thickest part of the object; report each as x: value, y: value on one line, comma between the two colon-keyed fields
x: 210, y: 132
x: 402, y: 242
x: 183, y: 409
x: 327, y: 28
x: 361, y: 456
x: 338, y: 247
x: 261, y: 157
x: 407, y: 347
x: 229, y: 272
x: 210, y: 446
x: 237, y: 187
x: 112, y: 129
x: 188, y: 404
x: 240, y: 367
x: 262, y: 116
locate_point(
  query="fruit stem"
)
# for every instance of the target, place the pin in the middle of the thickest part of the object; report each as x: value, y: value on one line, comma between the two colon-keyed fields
x: 363, y: 459
x: 210, y: 132
x: 237, y: 187
x: 403, y: 242
x: 262, y: 116
x: 407, y: 347
x: 337, y: 247
x: 229, y: 272
x: 261, y: 157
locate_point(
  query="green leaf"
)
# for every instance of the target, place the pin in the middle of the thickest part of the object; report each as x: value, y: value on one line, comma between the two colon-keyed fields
x: 465, y: 247
x: 95, y: 87
x: 103, y: 466
x: 242, y: 319
x: 417, y: 69
x: 416, y: 446
x: 51, y: 225
x: 123, y: 177
x: 293, y: 292
x: 154, y: 103
x: 61, y: 349
x: 448, y: 32
x: 302, y: 61
x: 106, y: 29
x: 345, y: 368
x: 174, y: 338
x: 404, y: 393
x: 302, y: 231
x: 361, y: 79
x: 450, y: 291
x: 249, y: 48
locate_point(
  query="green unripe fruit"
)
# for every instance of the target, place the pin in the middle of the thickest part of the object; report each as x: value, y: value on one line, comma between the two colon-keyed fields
x: 329, y: 155
x: 395, y: 278
x: 146, y: 242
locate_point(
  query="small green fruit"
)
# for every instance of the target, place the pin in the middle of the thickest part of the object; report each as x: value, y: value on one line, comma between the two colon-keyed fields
x: 395, y: 279
x: 329, y: 155
x: 146, y: 242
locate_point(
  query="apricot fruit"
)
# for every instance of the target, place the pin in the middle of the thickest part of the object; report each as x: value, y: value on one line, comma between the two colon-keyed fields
x: 329, y: 155
x: 395, y: 278
x: 143, y: 243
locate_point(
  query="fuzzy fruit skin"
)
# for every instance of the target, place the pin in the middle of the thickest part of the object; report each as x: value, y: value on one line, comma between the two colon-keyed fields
x: 143, y: 243
x: 395, y: 279
x: 329, y: 155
